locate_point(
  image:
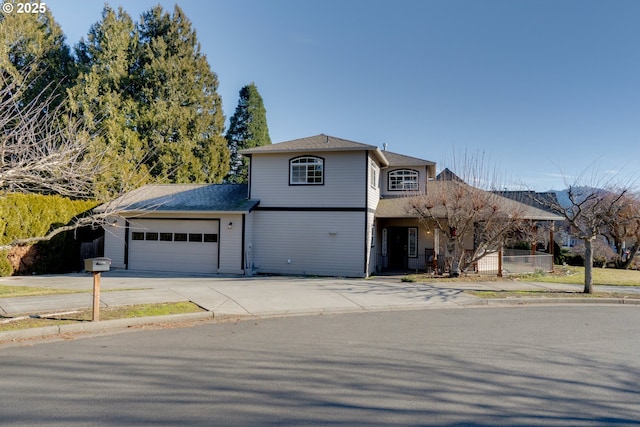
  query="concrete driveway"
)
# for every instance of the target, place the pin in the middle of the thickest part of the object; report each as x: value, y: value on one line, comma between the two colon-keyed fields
x: 259, y: 295
x: 229, y: 295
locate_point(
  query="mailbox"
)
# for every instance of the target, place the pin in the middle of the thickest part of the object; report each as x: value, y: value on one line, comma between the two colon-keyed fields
x: 97, y: 264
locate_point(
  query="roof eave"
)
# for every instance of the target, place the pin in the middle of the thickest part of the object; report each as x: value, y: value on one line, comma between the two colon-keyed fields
x: 141, y: 213
x: 381, y: 158
x: 250, y: 151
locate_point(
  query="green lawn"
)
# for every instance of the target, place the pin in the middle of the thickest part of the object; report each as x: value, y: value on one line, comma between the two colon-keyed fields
x: 562, y: 274
x: 601, y: 276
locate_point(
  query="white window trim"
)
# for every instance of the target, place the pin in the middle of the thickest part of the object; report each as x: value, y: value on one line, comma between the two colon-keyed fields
x: 298, y: 162
x: 404, y: 179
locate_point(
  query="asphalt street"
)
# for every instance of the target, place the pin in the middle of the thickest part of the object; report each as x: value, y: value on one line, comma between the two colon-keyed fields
x: 531, y: 365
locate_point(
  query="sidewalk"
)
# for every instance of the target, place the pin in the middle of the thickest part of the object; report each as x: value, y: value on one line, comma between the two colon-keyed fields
x: 250, y: 296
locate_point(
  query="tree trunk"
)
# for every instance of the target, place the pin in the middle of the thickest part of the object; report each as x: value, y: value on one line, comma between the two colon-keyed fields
x: 452, y: 253
x: 588, y: 266
x: 455, y: 267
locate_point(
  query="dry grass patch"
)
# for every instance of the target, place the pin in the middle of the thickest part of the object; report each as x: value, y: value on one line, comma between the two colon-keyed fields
x: 549, y: 294
x: 7, y: 291
x: 601, y: 276
x: 124, y: 312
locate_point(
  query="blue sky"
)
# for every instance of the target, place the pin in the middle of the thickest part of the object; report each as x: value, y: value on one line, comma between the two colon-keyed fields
x: 543, y: 88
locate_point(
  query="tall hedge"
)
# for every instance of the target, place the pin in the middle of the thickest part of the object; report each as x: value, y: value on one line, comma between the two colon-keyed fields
x: 31, y: 215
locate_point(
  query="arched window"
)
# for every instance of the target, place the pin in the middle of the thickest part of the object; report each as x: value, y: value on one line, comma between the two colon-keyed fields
x: 403, y: 179
x: 306, y: 170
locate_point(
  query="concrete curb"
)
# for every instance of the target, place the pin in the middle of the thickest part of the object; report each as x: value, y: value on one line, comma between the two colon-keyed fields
x: 102, y: 326
x: 542, y: 300
x: 123, y: 324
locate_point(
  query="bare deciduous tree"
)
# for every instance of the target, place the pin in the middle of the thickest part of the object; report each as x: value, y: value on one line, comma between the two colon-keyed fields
x: 43, y: 152
x: 40, y: 154
x: 595, y: 205
x: 623, y: 231
x: 462, y: 210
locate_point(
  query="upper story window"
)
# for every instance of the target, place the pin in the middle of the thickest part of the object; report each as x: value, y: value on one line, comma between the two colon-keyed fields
x: 403, y: 179
x: 306, y: 170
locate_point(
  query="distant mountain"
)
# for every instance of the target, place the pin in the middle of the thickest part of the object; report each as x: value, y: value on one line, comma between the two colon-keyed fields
x: 563, y: 195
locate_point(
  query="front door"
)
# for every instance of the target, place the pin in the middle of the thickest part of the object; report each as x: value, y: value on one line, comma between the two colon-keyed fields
x: 398, y: 247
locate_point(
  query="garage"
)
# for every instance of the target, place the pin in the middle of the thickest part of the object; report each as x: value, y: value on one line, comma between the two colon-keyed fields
x: 185, y: 245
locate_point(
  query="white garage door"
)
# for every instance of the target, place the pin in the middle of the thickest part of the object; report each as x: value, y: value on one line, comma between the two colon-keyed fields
x: 189, y: 246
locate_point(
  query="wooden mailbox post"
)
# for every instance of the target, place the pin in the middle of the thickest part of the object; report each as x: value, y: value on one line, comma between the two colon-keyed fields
x: 96, y: 266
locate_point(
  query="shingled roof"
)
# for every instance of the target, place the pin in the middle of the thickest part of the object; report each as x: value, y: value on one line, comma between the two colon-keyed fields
x: 400, y: 207
x: 544, y: 200
x: 320, y: 142
x: 396, y: 159
x: 185, y: 198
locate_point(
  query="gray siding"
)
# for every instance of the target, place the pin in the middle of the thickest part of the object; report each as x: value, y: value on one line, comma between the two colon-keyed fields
x: 248, y: 244
x: 373, y: 194
x: 345, y: 175
x: 231, y: 244
x: 114, y: 239
x: 309, y: 243
x: 371, y: 244
x: 373, y: 197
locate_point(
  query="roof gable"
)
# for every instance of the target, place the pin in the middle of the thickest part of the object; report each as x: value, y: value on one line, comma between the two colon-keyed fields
x: 396, y: 159
x: 317, y: 143
x: 320, y: 142
x: 448, y: 175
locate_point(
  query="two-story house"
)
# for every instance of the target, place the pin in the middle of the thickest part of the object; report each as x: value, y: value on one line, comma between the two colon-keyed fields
x: 313, y: 206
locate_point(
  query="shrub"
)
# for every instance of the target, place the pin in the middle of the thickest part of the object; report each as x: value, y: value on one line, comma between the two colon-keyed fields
x: 6, y: 269
x: 31, y: 215
x: 599, y: 261
x: 576, y: 260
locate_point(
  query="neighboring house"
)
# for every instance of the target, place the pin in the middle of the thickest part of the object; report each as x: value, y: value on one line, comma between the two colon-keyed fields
x: 541, y: 200
x: 313, y: 206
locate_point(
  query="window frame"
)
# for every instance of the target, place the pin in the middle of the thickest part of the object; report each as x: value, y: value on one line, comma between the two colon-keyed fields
x: 400, y: 177
x: 373, y: 175
x: 151, y: 236
x: 195, y: 237
x: 210, y: 238
x: 297, y: 161
x: 412, y: 242
x: 180, y: 237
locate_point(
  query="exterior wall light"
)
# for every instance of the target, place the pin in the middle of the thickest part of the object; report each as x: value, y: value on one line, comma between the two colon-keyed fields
x: 230, y: 226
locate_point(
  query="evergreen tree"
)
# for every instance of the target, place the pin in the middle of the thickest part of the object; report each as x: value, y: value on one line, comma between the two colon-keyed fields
x: 181, y: 115
x: 34, y: 56
x: 150, y: 98
x: 247, y: 129
x: 104, y: 97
